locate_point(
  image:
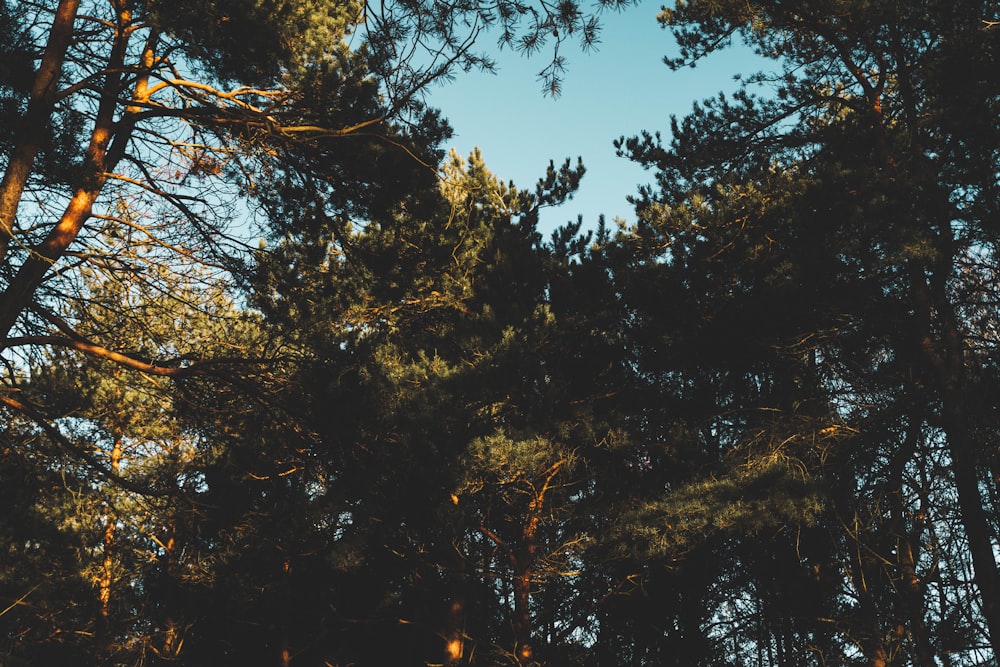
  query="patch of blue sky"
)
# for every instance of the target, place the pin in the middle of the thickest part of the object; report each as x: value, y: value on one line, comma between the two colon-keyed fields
x: 620, y: 88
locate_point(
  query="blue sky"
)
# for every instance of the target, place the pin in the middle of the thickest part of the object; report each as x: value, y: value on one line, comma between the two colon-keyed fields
x: 621, y: 88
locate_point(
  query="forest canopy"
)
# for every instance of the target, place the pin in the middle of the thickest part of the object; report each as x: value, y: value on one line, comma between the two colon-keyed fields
x: 757, y: 426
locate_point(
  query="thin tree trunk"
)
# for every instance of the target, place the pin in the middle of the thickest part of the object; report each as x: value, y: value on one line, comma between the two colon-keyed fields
x: 172, y: 636
x: 285, y: 645
x: 108, y: 562
x: 523, y: 560
x: 863, y: 570
x: 908, y: 542
x: 912, y: 592
x: 523, y: 572
x: 454, y: 634
x: 455, y: 637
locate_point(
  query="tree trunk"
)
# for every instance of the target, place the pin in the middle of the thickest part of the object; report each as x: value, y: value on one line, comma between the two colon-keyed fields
x: 908, y: 541
x: 285, y: 644
x: 21, y: 288
x: 864, y: 573
x: 454, y: 631
x: 173, y: 638
x: 523, y: 572
x: 31, y: 132
x: 455, y: 636
x: 944, y: 356
x: 108, y: 545
x: 107, y: 566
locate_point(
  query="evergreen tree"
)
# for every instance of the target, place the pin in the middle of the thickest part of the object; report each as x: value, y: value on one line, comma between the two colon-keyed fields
x: 163, y: 123
x: 90, y: 415
x: 817, y: 242
x: 465, y: 369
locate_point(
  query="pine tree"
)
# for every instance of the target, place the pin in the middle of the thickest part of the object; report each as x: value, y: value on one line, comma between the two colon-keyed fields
x: 818, y: 239
x: 462, y: 389
x: 166, y: 123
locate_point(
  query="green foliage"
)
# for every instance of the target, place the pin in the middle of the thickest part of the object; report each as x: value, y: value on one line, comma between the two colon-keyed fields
x: 446, y: 352
x: 799, y: 227
x: 43, y: 592
x: 755, y: 427
x: 256, y: 41
x: 747, y: 503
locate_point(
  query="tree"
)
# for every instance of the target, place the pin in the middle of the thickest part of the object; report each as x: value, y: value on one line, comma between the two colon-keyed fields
x: 159, y: 123
x: 820, y: 237
x: 132, y: 427
x: 462, y: 391
x: 139, y: 139
x: 43, y: 592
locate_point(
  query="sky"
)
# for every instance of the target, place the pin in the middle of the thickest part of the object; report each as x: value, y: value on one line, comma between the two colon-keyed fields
x: 621, y: 88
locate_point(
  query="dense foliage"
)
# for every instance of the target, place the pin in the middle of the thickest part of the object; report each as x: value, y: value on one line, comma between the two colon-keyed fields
x: 756, y: 427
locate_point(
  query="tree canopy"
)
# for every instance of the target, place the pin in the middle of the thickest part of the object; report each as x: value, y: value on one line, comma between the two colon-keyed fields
x: 287, y: 385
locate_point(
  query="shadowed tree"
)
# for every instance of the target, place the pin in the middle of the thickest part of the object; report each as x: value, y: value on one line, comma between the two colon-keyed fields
x: 818, y: 232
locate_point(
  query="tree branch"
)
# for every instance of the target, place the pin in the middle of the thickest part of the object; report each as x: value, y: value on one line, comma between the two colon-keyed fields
x: 56, y: 436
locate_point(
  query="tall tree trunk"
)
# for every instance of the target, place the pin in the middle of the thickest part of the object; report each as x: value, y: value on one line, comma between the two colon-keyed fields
x: 173, y: 633
x: 912, y: 593
x: 21, y: 289
x: 32, y: 128
x: 908, y: 541
x: 284, y: 641
x: 944, y: 356
x: 863, y: 571
x: 108, y: 563
x: 524, y: 559
x: 455, y: 636
x: 108, y: 557
x: 523, y: 573
x: 454, y: 632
